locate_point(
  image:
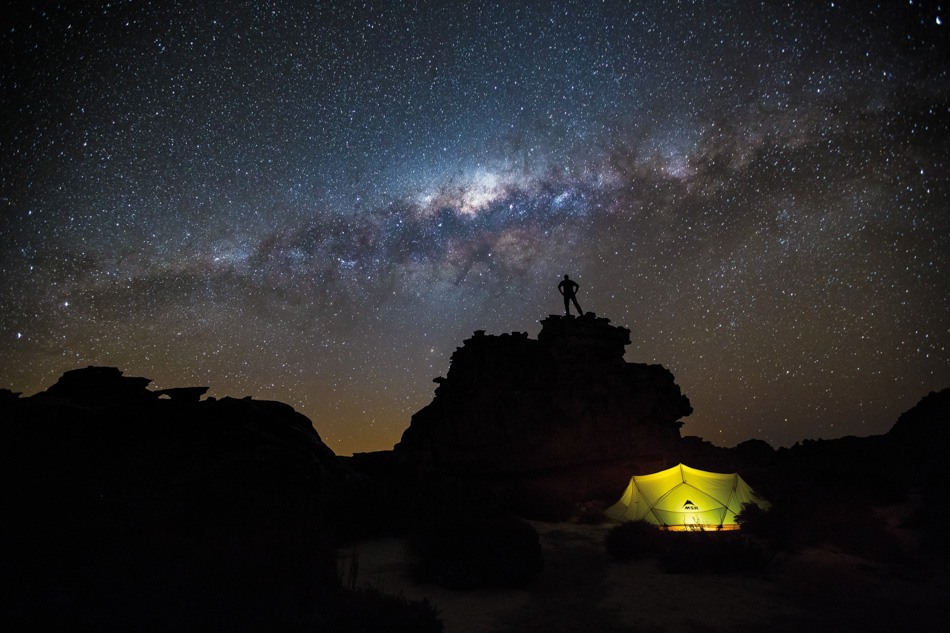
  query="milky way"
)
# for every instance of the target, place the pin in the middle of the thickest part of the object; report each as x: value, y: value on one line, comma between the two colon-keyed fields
x: 317, y: 202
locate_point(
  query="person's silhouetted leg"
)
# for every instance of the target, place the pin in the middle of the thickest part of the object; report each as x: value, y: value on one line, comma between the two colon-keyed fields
x: 568, y: 290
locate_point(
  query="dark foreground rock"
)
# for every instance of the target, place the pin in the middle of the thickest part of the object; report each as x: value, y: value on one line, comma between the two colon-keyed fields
x: 128, y: 509
x: 923, y: 432
x: 548, y: 422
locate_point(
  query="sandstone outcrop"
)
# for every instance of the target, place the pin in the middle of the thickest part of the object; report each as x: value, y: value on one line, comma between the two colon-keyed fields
x: 561, y: 418
x: 127, y: 506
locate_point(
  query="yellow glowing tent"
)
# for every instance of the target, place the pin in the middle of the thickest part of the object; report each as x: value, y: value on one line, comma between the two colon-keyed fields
x: 684, y: 498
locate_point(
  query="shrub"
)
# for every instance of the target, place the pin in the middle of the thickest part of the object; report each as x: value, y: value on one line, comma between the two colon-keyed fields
x: 817, y: 520
x: 466, y: 552
x: 677, y: 552
x: 932, y: 517
x: 713, y: 552
x: 635, y: 540
x: 775, y: 525
x: 371, y: 611
x: 852, y: 527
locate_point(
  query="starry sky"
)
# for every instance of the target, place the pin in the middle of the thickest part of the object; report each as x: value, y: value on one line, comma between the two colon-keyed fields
x: 317, y: 202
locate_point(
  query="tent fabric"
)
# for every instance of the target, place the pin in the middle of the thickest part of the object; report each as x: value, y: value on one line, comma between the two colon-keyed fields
x: 684, y: 498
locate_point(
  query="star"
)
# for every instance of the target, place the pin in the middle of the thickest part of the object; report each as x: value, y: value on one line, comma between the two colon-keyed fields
x: 317, y: 205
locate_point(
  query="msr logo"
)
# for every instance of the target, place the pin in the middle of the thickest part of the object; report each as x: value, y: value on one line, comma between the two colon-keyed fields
x: 689, y: 505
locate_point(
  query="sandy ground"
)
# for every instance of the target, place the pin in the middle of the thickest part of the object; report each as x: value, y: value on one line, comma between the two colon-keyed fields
x: 582, y: 589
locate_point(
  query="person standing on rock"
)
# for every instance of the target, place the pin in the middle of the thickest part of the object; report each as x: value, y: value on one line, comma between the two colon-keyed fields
x: 568, y: 288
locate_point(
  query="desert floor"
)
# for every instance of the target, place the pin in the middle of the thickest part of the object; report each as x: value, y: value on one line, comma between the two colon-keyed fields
x: 582, y: 589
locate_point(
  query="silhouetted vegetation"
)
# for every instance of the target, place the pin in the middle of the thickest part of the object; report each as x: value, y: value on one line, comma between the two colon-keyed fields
x: 712, y: 552
x: 681, y: 552
x: 817, y: 520
x: 932, y: 517
x: 774, y: 525
x: 371, y: 611
x: 470, y: 551
x: 634, y: 540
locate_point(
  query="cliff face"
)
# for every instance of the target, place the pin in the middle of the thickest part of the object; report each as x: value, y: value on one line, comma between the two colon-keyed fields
x: 519, y: 409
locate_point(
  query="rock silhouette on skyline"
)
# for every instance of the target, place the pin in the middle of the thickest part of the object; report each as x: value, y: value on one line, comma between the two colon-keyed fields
x: 562, y: 417
x: 127, y: 506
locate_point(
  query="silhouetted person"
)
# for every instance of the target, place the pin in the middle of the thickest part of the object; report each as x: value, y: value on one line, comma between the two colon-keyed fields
x: 568, y: 288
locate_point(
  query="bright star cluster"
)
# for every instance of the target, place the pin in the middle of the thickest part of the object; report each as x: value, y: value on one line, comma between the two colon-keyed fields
x: 316, y: 202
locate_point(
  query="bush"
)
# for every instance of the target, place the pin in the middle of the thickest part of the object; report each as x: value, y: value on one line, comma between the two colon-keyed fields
x: 678, y: 552
x: 713, y: 552
x: 775, y: 525
x: 371, y: 611
x: 466, y: 552
x: 635, y: 540
x: 932, y: 517
x: 818, y: 520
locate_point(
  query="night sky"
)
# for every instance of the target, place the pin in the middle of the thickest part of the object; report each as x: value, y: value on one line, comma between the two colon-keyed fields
x: 317, y: 202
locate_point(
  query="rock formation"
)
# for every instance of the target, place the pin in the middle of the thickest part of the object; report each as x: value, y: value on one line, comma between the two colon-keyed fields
x: 126, y: 507
x: 927, y: 425
x: 562, y: 418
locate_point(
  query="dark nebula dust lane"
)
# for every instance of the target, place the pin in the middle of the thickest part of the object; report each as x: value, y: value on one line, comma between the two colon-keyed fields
x: 317, y: 202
